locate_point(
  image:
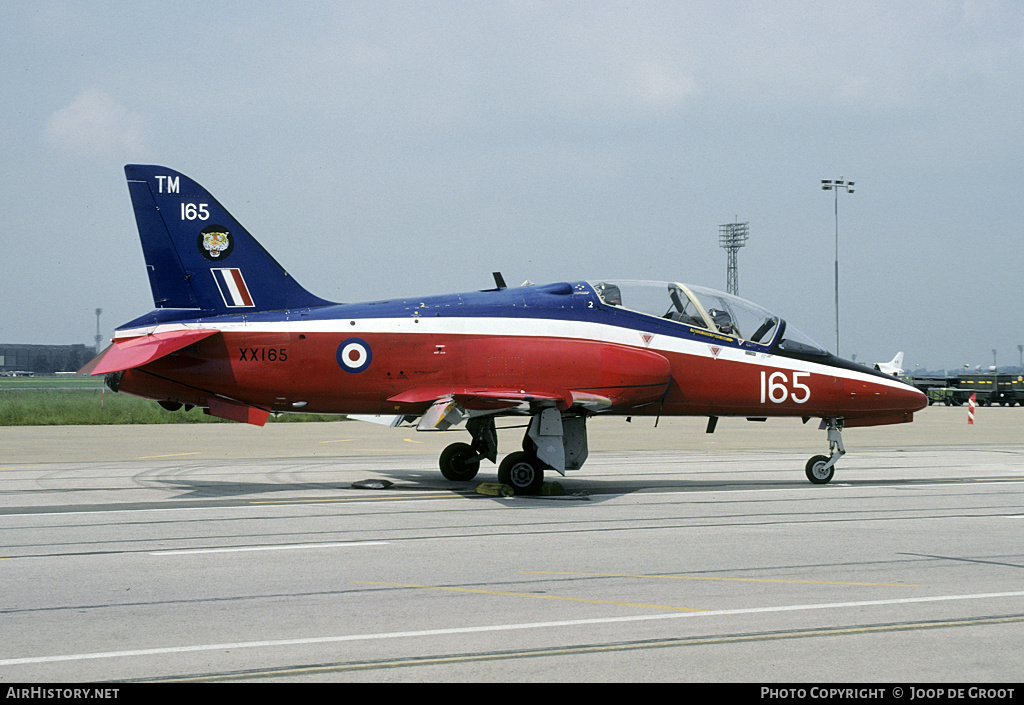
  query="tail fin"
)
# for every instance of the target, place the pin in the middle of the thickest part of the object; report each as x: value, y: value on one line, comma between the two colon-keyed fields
x: 893, y: 367
x: 198, y: 256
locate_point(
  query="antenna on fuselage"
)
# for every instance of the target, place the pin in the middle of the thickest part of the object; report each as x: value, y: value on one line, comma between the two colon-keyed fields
x: 499, y: 281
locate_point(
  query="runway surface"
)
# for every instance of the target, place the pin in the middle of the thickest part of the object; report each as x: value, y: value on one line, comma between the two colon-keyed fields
x: 227, y: 552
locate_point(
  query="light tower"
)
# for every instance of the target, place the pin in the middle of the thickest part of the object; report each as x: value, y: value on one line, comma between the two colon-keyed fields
x: 732, y: 237
x: 835, y: 187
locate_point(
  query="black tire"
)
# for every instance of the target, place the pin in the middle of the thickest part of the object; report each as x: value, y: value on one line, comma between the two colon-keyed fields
x: 815, y: 470
x: 522, y: 472
x: 459, y: 463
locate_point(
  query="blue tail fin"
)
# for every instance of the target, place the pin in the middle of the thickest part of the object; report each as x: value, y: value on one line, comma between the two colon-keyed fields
x: 198, y: 256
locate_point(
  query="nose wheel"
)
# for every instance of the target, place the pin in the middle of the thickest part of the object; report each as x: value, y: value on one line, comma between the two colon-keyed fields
x: 818, y: 470
x: 821, y: 468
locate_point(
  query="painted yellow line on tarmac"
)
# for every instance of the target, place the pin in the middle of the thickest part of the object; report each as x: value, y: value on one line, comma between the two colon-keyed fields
x: 340, y: 440
x: 701, y: 577
x: 534, y: 596
x: 355, y: 499
x: 168, y: 455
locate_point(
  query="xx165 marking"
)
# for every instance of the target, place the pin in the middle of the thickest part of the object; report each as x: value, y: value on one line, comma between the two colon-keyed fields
x: 263, y: 354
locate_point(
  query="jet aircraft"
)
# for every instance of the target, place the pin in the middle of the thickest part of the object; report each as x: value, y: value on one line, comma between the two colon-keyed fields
x: 894, y: 367
x: 232, y: 332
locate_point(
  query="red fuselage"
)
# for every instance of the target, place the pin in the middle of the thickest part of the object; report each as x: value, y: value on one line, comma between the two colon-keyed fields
x: 400, y: 365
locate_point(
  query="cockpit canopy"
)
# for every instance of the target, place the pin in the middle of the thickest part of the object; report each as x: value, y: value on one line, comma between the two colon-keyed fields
x: 708, y: 309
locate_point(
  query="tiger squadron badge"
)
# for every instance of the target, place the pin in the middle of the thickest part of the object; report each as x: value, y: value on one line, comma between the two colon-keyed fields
x: 215, y: 243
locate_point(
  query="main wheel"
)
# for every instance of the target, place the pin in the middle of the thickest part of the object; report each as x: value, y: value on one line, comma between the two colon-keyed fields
x: 524, y: 473
x: 816, y: 471
x: 459, y: 462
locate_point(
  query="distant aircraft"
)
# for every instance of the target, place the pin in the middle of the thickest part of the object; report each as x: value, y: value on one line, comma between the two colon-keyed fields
x: 235, y: 334
x: 894, y: 367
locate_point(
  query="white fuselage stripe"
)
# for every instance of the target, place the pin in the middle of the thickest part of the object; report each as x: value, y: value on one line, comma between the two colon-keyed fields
x: 520, y: 327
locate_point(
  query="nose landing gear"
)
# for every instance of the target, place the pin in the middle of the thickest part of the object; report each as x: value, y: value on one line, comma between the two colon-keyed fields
x: 821, y: 468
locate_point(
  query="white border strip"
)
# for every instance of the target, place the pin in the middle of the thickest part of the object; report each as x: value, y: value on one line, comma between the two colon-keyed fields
x: 491, y: 628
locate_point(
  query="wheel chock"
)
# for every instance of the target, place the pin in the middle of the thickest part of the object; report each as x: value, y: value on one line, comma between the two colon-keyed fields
x: 552, y: 489
x: 372, y: 484
x: 495, y: 489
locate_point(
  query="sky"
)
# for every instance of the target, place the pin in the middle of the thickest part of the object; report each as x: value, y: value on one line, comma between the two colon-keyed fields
x: 389, y: 149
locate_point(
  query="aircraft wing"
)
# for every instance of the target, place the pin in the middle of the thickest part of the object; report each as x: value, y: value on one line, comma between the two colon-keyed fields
x: 448, y: 404
x: 484, y: 398
x: 139, y: 351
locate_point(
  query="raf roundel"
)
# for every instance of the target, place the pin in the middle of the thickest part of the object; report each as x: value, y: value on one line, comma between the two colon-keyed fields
x: 354, y: 355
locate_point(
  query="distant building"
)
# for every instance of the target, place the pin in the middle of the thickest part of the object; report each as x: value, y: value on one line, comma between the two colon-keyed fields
x: 42, y: 359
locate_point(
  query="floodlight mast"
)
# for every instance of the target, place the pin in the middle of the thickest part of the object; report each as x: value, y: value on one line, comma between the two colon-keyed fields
x: 99, y: 338
x: 835, y: 186
x: 731, y: 237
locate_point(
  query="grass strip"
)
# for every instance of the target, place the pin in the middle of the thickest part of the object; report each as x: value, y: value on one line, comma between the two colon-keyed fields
x: 84, y: 407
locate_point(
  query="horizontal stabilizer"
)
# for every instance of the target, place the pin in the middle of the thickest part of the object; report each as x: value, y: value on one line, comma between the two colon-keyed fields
x: 140, y: 351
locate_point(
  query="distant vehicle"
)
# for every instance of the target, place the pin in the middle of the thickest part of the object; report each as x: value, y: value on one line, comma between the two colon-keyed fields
x: 234, y: 333
x: 894, y: 367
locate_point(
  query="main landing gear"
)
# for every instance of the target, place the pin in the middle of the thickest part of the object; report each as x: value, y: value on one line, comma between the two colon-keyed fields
x: 523, y: 472
x: 821, y: 468
x: 460, y: 462
x: 551, y: 443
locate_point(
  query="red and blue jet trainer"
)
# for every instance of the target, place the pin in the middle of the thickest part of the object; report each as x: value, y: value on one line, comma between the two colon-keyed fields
x: 235, y: 334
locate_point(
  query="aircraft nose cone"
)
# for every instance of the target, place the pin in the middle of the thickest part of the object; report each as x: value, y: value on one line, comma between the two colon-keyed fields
x: 911, y: 399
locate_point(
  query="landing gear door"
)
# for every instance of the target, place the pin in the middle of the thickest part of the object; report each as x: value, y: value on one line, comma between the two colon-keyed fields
x: 560, y: 443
